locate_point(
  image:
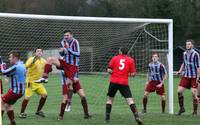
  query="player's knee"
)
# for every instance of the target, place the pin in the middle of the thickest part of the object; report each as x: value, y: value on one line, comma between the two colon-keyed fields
x: 44, y: 95
x: 27, y: 98
x: 163, y: 97
x: 50, y: 60
x: 146, y: 95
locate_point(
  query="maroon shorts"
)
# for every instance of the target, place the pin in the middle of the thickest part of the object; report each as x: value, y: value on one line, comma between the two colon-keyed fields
x: 151, y: 87
x: 76, y: 87
x: 188, y: 83
x: 69, y: 70
x: 10, y: 97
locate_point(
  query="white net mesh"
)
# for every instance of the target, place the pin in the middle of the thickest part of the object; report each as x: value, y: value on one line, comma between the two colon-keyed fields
x: 99, y: 41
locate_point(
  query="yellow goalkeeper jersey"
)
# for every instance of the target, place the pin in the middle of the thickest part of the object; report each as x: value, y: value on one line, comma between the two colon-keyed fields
x: 34, y: 70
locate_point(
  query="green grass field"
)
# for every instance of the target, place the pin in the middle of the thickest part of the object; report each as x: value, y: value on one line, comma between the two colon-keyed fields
x: 95, y: 87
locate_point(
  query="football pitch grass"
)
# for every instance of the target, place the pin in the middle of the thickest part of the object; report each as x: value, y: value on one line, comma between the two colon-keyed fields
x: 95, y: 87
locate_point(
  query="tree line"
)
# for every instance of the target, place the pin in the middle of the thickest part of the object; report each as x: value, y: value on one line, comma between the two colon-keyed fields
x: 185, y: 13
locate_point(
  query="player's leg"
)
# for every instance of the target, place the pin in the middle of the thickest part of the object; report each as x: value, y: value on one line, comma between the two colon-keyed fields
x: 198, y: 92
x: 150, y: 87
x: 112, y: 90
x: 181, y: 100
x: 65, y: 97
x: 84, y: 103
x: 23, y: 107
x: 184, y: 83
x: 126, y: 93
x: 2, y: 108
x: 71, y: 74
x: 43, y: 93
x: 62, y: 107
x: 163, y: 103
x: 68, y: 104
x: 77, y: 87
x: 161, y: 91
x: 48, y: 68
x: 145, y: 100
x: 194, y: 87
x: 28, y: 94
x: 195, y: 101
x: 10, y: 113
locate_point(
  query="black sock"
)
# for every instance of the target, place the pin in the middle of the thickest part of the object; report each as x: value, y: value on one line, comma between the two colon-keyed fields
x: 108, y: 110
x: 134, y: 110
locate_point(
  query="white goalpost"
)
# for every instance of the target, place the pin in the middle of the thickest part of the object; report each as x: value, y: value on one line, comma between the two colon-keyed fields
x: 99, y: 37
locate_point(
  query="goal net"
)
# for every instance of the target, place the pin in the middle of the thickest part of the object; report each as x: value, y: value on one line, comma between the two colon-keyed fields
x: 100, y: 39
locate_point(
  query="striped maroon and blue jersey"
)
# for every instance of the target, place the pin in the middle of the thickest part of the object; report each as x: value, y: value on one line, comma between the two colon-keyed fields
x: 73, y: 52
x: 17, y: 76
x: 156, y: 71
x: 191, y: 62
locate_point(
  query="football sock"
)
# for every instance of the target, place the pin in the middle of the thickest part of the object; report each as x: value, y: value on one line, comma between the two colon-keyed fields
x: 195, y: 104
x: 134, y: 110
x: 41, y: 103
x: 85, y: 106
x: 145, y: 103
x: 11, y: 116
x: 181, y: 100
x: 62, y: 109
x: 163, y: 105
x: 108, y: 110
x: 24, y: 104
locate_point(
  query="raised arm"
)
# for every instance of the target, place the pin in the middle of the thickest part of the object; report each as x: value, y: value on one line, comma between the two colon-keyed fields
x: 9, y: 71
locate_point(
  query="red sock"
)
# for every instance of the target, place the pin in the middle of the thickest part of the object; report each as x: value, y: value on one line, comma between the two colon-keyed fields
x: 62, y: 109
x: 24, y: 104
x: 85, y: 105
x: 181, y: 100
x: 145, y: 103
x: 47, y: 69
x: 163, y: 106
x: 41, y: 103
x: 11, y: 116
x: 195, y: 104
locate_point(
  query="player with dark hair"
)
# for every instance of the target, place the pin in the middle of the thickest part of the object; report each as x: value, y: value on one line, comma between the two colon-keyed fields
x: 17, y: 74
x: 190, y: 70
x: 35, y: 66
x: 73, y: 59
x: 120, y: 67
x: 156, y: 77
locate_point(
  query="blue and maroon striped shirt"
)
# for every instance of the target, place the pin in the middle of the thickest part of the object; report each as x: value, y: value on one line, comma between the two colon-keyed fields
x: 156, y: 71
x: 73, y: 52
x: 17, y: 74
x: 191, y: 62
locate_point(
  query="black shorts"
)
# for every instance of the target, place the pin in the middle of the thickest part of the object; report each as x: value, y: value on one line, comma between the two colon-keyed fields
x: 124, y: 90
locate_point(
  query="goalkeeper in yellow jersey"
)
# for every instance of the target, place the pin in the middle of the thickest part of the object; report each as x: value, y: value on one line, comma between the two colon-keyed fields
x: 35, y: 67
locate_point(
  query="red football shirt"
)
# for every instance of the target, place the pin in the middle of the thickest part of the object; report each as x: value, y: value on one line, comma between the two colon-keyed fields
x: 121, y: 65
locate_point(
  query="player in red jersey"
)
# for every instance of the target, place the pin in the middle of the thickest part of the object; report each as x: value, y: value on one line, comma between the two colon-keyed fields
x: 120, y: 67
